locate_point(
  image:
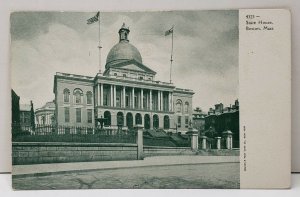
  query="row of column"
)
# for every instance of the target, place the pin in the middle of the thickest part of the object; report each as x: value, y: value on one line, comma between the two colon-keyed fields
x: 47, y: 118
x: 113, y: 98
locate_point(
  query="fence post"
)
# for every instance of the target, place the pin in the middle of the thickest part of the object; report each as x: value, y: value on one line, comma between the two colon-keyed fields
x: 139, y: 141
x: 228, y: 138
x: 193, y: 133
x: 218, y: 143
x: 203, y: 142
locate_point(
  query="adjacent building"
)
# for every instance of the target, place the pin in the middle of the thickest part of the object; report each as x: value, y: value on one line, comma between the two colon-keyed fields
x: 199, y: 119
x: 26, y: 116
x: 222, y: 119
x: 124, y: 95
x: 15, y: 108
x: 46, y: 114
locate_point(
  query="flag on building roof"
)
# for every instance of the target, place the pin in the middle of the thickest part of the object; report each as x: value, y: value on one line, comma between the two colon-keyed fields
x: 93, y: 19
x: 170, y: 31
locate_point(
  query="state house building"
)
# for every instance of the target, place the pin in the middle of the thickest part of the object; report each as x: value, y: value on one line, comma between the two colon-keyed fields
x: 124, y: 95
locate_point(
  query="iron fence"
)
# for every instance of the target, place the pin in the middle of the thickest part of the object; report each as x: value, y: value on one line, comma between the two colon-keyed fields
x: 52, y: 133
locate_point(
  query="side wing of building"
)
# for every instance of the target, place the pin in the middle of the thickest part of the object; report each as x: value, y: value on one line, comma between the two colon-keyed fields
x: 74, y: 100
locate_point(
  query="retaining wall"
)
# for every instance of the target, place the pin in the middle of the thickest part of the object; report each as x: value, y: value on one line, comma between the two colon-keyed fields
x: 161, y: 151
x: 49, y: 152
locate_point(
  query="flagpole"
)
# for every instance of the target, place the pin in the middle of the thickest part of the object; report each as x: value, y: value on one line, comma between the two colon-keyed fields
x: 100, y: 47
x: 171, y: 60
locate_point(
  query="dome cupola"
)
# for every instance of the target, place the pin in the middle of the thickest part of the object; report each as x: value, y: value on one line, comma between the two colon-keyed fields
x: 123, y: 51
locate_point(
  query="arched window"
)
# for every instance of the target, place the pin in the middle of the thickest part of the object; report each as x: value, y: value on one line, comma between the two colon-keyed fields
x: 147, y: 121
x: 138, y: 118
x: 120, y: 119
x: 166, y: 122
x: 77, y: 96
x: 66, y: 95
x: 186, y: 107
x: 155, y: 121
x: 129, y: 120
x: 89, y: 98
x: 178, y: 106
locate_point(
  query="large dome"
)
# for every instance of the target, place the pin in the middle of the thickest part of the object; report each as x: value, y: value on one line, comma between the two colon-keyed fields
x: 123, y: 51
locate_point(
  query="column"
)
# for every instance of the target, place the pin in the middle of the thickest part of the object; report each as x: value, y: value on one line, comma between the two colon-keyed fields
x: 161, y: 101
x: 203, y: 142
x: 133, y: 98
x: 111, y: 96
x: 150, y: 100
x: 228, y: 138
x: 172, y: 106
x: 193, y: 133
x: 115, y: 95
x: 113, y: 120
x: 139, y: 141
x: 158, y: 96
x: 124, y: 96
x: 101, y: 97
x: 147, y: 100
x: 142, y: 99
x: 218, y: 142
x: 151, y: 122
x: 98, y: 94
x: 169, y: 101
x: 229, y: 142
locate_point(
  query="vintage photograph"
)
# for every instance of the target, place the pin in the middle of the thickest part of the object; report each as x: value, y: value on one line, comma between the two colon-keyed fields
x: 135, y: 100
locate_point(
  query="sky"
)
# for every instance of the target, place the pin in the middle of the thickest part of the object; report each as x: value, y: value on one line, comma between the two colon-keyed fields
x: 205, y: 50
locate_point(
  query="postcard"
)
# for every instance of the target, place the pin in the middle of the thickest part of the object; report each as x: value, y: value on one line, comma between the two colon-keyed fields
x: 181, y: 99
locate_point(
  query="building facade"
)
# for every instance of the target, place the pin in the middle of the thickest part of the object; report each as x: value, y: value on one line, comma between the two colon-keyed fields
x: 199, y: 120
x: 15, y: 108
x: 222, y: 119
x: 26, y: 116
x: 46, y: 114
x: 124, y: 95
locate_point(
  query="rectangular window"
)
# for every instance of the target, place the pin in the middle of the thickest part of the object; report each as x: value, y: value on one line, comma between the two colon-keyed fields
x: 186, y: 122
x: 179, y: 122
x: 106, y: 96
x: 118, y: 103
x: 127, y: 100
x: 89, y: 98
x: 144, y: 101
x: 67, y: 114
x: 166, y: 103
x: 78, y: 114
x: 155, y: 102
x: 90, y: 116
x: 136, y: 104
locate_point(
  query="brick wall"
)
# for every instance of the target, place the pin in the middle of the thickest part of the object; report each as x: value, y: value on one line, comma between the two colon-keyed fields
x: 43, y: 152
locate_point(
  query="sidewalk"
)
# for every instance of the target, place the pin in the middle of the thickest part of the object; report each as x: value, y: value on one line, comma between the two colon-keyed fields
x: 61, y: 168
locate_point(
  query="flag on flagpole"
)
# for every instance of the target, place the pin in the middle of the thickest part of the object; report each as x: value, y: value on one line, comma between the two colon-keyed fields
x: 93, y: 19
x: 170, y: 31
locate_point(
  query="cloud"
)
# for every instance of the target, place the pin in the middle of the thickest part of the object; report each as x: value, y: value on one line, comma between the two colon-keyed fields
x: 205, y: 49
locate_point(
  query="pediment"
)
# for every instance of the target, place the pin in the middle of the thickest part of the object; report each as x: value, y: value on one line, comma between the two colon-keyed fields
x: 133, y: 65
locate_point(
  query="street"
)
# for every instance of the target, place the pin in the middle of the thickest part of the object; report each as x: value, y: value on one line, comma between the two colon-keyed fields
x: 222, y: 175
